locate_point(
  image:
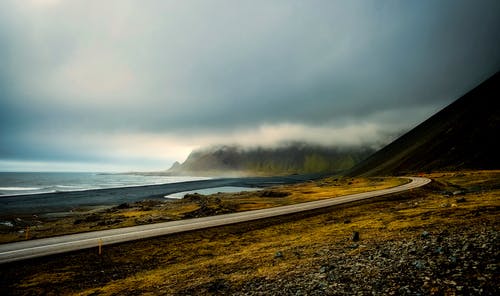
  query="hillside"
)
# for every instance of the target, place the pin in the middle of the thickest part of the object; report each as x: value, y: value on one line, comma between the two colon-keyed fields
x: 290, y: 159
x: 464, y: 135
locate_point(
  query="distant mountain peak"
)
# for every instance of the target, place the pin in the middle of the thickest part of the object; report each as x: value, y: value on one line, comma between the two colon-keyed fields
x: 289, y: 159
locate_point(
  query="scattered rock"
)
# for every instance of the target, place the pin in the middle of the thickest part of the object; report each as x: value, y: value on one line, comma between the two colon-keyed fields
x: 439, y: 250
x: 193, y: 197
x: 408, y: 266
x: 355, y: 236
x: 278, y: 255
x: 88, y: 219
x: 109, y: 222
x: 460, y: 199
x: 418, y: 264
x: 217, y: 286
x: 273, y: 193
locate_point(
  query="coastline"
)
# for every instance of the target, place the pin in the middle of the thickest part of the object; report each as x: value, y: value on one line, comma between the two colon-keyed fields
x: 443, y: 239
x: 66, y: 201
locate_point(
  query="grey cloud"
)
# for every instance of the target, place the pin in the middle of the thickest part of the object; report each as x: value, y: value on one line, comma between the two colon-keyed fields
x: 192, y: 69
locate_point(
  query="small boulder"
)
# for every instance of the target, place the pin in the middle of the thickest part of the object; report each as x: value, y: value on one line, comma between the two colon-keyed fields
x: 419, y: 264
x: 355, y: 236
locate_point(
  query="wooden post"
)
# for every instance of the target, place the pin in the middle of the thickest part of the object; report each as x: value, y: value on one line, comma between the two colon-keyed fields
x: 100, y: 246
x: 27, y: 232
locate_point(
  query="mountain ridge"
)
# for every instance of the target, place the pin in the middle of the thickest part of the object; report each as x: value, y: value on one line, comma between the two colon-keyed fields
x: 462, y: 135
x: 297, y: 158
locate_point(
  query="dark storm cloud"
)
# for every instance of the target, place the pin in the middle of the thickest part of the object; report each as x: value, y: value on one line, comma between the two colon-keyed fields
x: 77, y: 77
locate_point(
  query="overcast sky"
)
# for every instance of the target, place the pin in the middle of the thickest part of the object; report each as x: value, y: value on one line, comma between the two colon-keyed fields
x: 135, y: 85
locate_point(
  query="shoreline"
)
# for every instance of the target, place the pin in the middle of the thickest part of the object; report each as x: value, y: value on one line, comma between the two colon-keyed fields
x: 444, y: 241
x: 66, y: 201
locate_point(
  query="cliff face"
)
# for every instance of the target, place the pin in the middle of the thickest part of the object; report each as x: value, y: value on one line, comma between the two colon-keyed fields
x: 291, y: 159
x: 464, y: 135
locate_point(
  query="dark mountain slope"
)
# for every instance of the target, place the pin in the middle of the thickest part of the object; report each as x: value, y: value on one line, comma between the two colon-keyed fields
x: 464, y: 135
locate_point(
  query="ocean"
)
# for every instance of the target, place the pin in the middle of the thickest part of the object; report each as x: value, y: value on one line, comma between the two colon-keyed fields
x: 44, y: 193
x: 18, y: 183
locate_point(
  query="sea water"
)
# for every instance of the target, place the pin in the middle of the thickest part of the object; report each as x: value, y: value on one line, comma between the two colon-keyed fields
x: 33, y: 183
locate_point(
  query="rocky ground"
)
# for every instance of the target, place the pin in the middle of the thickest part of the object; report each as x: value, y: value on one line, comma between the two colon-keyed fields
x: 461, y: 262
x: 438, y: 240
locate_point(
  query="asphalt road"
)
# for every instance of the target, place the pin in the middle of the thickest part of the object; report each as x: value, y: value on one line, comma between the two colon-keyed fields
x: 55, y: 245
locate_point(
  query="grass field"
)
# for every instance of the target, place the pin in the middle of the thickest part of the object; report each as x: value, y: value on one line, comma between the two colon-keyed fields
x: 151, y: 211
x: 229, y: 259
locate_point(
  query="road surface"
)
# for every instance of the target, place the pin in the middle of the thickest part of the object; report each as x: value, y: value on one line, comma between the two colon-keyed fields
x: 55, y: 245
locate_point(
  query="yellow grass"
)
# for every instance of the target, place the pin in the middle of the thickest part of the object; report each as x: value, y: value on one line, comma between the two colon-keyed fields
x: 251, y: 255
x: 175, y: 210
x: 247, y: 251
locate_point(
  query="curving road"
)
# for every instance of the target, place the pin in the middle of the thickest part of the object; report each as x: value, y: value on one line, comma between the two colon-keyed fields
x: 55, y: 245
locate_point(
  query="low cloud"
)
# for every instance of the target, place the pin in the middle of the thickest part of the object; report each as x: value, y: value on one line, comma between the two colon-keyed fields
x: 85, y: 81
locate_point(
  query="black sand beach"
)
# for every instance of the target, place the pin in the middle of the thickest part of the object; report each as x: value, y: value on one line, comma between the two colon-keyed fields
x: 67, y: 201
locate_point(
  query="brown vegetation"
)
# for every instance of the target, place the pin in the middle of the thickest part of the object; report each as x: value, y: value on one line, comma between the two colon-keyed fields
x: 413, y: 242
x: 193, y: 205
